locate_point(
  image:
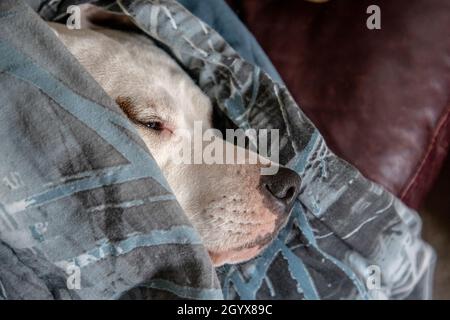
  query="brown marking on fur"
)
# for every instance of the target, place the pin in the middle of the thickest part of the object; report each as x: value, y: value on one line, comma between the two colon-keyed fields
x: 126, y: 104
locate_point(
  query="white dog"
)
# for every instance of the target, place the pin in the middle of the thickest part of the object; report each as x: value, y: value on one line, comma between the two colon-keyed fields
x: 236, y: 210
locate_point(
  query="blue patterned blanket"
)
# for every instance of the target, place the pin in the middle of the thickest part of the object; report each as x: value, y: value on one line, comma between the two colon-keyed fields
x: 85, y: 212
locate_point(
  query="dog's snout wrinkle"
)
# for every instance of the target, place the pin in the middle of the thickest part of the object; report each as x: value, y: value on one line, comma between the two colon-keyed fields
x: 283, y: 186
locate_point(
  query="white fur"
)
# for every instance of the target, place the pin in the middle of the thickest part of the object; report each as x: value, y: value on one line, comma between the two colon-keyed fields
x: 226, y: 203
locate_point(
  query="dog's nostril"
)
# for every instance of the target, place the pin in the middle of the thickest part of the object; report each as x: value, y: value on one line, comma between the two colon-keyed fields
x: 290, y: 193
x: 281, y: 193
x: 284, y: 185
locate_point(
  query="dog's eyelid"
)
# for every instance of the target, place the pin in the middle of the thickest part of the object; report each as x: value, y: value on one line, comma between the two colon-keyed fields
x: 146, y: 117
x: 152, y: 118
x: 131, y: 109
x: 153, y: 122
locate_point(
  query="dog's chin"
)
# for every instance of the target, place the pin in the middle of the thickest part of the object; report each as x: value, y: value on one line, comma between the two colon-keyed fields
x: 250, y: 250
x: 233, y: 256
x: 236, y: 255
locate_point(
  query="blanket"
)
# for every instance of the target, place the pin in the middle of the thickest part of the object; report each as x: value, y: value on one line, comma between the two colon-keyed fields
x: 86, y: 213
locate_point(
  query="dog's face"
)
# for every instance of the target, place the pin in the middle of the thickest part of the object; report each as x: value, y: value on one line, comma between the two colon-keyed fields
x: 236, y: 210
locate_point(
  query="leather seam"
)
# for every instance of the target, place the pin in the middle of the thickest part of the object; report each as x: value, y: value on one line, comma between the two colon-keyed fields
x: 443, y: 122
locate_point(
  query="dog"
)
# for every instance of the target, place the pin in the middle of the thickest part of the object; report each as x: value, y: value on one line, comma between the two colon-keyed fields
x: 236, y: 210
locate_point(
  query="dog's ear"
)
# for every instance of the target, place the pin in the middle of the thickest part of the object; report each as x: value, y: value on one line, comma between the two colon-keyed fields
x: 93, y: 17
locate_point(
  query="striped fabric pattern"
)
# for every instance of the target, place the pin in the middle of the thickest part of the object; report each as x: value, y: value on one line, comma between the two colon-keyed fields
x: 82, y: 192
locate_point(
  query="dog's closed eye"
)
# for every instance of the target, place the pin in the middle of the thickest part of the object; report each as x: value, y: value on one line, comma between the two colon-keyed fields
x: 155, y: 125
x: 140, y: 117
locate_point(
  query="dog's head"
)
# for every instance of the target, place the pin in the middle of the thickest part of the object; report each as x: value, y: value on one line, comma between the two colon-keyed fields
x: 236, y: 210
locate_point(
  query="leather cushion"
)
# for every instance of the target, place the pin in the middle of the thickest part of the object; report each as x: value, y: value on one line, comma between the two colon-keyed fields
x: 379, y: 97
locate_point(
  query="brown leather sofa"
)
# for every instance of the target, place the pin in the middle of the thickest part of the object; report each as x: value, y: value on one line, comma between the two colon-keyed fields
x: 379, y: 97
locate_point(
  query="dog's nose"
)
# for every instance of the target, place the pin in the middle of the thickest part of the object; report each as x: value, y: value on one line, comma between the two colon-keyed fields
x: 284, y: 186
